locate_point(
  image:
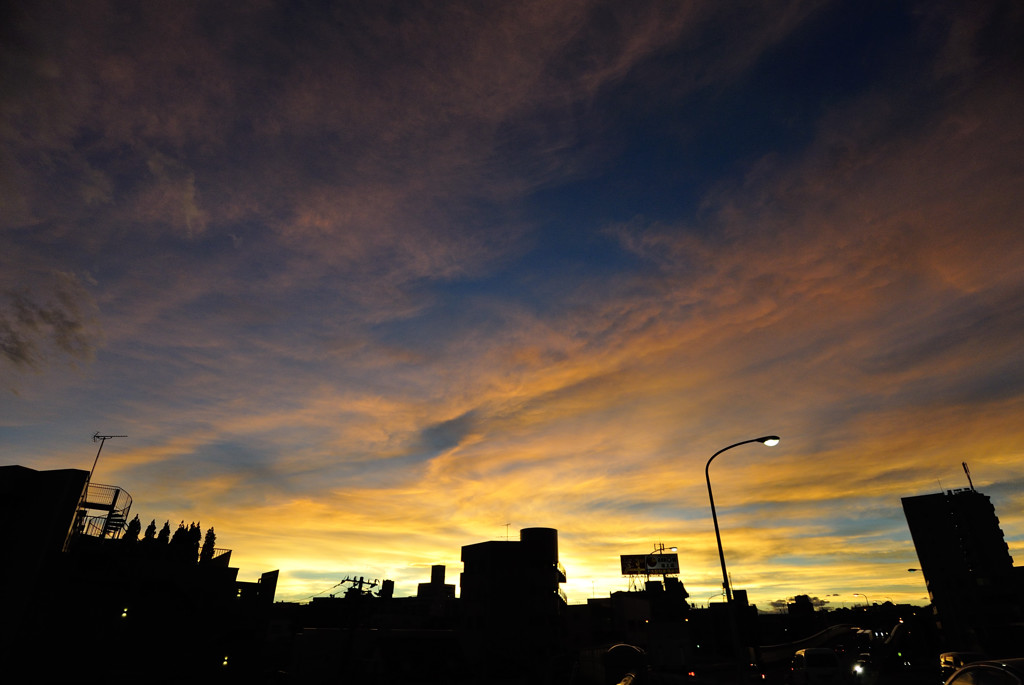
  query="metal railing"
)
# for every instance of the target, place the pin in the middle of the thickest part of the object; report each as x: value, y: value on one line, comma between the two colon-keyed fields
x: 93, y: 526
x: 104, y: 496
x: 113, y: 500
x: 221, y: 557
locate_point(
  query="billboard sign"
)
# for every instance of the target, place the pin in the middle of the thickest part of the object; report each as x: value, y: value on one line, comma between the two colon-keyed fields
x: 649, y: 564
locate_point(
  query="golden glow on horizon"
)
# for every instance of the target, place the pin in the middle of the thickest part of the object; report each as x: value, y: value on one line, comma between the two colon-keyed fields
x: 334, y: 332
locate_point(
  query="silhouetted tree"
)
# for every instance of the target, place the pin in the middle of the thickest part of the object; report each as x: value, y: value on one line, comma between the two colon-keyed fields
x: 179, y: 535
x: 208, y: 545
x: 165, y: 533
x: 131, y: 533
x: 195, y: 533
x: 150, y: 531
x: 179, y: 543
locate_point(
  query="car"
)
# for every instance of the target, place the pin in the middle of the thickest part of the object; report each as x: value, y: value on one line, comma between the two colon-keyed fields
x: 990, y: 672
x: 949, y: 662
x: 815, y: 666
x: 862, y: 667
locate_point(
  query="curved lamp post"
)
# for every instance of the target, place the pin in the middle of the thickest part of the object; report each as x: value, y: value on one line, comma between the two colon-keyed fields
x: 867, y: 602
x: 770, y: 441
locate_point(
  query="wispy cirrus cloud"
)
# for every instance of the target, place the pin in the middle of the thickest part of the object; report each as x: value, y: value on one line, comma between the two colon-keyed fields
x: 373, y: 284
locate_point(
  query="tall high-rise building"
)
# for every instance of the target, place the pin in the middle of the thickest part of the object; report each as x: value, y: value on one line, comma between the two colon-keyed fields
x: 972, y: 583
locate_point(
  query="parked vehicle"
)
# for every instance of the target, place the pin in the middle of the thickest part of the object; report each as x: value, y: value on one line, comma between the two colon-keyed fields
x: 949, y: 662
x: 991, y: 672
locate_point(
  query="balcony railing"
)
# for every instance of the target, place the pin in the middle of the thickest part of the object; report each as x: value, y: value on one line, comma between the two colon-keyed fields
x: 93, y: 526
x: 221, y: 557
x: 103, y: 496
x: 113, y: 500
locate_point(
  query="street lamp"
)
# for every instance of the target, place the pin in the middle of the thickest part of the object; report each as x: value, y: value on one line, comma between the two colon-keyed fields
x: 770, y: 441
x: 861, y: 594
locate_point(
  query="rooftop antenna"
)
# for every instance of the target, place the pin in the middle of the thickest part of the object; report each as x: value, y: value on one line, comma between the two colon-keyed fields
x: 102, y: 440
x: 506, y: 531
x: 968, y: 472
x: 83, y: 499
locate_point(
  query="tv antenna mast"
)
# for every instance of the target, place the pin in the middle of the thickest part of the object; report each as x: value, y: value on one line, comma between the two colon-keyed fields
x: 102, y: 440
x: 84, y: 497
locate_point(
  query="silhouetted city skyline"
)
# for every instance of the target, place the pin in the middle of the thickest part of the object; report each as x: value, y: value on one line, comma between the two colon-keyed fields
x: 511, y: 622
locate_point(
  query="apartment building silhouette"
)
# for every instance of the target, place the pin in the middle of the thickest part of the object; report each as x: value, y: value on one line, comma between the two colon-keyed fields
x: 513, y: 608
x: 974, y: 587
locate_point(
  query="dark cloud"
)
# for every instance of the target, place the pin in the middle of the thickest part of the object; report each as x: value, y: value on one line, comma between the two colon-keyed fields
x: 45, y: 319
x: 448, y: 434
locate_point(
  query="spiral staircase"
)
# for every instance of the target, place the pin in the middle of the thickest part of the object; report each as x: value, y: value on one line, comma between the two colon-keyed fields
x: 103, y: 512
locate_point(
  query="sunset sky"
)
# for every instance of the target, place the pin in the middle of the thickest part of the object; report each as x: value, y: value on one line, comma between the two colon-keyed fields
x: 364, y: 282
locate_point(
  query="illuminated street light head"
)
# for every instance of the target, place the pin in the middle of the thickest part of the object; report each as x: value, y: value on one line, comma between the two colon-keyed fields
x: 770, y: 440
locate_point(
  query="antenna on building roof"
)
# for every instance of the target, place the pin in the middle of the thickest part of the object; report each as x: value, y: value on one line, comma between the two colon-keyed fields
x: 102, y: 440
x: 81, y: 510
x: 968, y: 472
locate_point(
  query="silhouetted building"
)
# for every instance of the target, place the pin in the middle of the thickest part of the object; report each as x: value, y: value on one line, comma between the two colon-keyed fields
x: 38, y: 509
x: 83, y: 605
x: 801, y: 615
x: 436, y: 588
x: 372, y: 636
x: 974, y: 588
x: 513, y: 605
